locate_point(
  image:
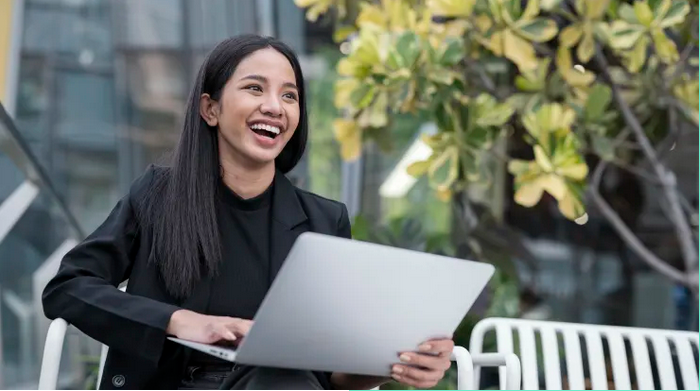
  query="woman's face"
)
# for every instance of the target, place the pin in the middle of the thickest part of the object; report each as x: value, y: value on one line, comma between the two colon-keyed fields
x: 258, y: 110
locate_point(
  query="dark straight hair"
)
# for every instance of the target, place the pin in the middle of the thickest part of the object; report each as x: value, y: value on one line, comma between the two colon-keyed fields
x: 180, y: 209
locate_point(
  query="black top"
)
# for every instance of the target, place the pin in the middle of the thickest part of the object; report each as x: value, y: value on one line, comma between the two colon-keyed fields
x: 244, y: 274
x: 133, y: 324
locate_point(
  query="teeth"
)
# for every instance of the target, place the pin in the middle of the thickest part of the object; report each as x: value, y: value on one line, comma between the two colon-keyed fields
x: 269, y: 128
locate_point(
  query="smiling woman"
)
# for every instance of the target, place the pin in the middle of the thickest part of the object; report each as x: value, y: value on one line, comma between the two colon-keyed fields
x: 201, y: 240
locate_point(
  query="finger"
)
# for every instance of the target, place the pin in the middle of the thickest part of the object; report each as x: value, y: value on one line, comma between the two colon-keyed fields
x: 413, y: 383
x: 426, y: 361
x: 437, y: 346
x: 240, y: 326
x: 420, y: 384
x: 417, y: 374
x: 226, y: 334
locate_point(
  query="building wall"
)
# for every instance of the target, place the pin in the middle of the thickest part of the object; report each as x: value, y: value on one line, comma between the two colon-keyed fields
x: 101, y: 87
x: 5, y: 30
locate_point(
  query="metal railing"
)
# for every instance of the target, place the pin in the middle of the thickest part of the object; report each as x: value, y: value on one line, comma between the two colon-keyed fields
x: 37, y: 182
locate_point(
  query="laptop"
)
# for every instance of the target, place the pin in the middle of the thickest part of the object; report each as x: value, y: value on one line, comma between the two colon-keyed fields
x: 341, y: 305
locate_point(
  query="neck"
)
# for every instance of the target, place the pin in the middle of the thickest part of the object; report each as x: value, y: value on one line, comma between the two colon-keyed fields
x: 246, y: 180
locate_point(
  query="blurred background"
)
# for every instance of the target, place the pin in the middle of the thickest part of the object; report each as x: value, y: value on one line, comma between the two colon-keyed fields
x: 92, y: 91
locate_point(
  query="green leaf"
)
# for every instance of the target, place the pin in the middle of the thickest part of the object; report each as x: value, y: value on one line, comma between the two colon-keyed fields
x: 519, y: 167
x: 538, y: 30
x: 524, y: 84
x: 362, y: 96
x: 596, y: 9
x: 479, y: 138
x: 598, y: 101
x: 342, y: 33
x: 571, y: 205
x: 623, y: 35
x: 637, y: 56
x: 603, y: 147
x: 531, y: 9
x: 376, y: 114
x: 408, y: 46
x: 496, y: 115
x: 454, y: 52
x: 418, y: 168
x: 549, y: 5
x: 456, y: 8
x: 360, y: 228
x: 394, y: 60
x: 626, y: 13
x: 654, y: 4
x: 643, y: 13
x: 542, y: 159
x: 586, y: 48
x: 444, y: 168
x: 512, y: 7
x: 446, y: 78
x: 442, y: 117
x: 571, y: 35
x: 676, y: 14
x: 528, y: 193
x: 665, y: 47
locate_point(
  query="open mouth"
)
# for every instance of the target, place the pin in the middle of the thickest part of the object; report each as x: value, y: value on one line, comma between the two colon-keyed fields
x: 266, y: 130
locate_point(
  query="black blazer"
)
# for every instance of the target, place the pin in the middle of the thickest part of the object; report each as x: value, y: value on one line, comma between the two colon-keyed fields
x: 84, y: 291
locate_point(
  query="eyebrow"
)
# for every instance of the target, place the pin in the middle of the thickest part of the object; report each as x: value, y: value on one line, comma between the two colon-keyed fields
x: 263, y: 79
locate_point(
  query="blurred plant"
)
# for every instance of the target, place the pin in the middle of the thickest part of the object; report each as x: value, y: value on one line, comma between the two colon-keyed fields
x: 403, y: 232
x: 572, y: 78
x: 92, y: 369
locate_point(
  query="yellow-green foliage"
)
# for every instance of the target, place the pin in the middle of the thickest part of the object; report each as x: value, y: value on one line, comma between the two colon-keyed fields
x: 411, y: 55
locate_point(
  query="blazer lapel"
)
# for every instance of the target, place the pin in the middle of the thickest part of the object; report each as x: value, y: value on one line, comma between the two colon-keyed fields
x: 287, y: 221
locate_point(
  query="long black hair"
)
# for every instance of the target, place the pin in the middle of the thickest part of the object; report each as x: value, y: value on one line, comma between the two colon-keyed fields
x: 180, y: 209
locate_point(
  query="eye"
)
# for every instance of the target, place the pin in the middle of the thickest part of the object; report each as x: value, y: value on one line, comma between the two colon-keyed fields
x: 254, y: 87
x: 290, y: 95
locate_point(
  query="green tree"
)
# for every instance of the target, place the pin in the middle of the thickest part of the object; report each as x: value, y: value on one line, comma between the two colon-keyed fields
x: 571, y: 78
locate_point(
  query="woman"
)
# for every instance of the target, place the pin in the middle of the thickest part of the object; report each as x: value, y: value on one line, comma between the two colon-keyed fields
x: 200, y: 241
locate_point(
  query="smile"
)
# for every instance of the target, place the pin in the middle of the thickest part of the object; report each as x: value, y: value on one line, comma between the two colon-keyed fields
x: 265, y: 130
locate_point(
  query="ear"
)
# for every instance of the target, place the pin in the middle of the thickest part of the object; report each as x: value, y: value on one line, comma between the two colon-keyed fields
x: 209, y: 110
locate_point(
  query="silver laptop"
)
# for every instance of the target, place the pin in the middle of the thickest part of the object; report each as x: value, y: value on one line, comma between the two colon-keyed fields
x: 347, y: 306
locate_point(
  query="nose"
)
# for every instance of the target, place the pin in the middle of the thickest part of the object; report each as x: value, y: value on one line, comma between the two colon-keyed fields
x: 271, y: 106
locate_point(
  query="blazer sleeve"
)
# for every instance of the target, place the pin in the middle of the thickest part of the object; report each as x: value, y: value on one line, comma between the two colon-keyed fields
x: 84, y: 291
x: 344, y: 229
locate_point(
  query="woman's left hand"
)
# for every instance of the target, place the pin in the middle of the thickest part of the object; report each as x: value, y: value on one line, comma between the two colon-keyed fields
x: 425, y: 368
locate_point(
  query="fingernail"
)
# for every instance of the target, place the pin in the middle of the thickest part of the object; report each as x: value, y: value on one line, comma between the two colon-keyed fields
x: 397, y: 369
x: 405, y: 357
x: 232, y: 336
x: 425, y: 347
x: 396, y: 377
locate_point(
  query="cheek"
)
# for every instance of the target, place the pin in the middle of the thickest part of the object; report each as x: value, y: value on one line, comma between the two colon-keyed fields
x: 293, y: 116
x: 235, y: 112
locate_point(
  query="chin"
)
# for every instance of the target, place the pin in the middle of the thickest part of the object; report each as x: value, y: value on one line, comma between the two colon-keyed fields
x: 263, y: 157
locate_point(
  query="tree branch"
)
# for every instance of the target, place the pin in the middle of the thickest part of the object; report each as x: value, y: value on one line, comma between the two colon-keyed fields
x: 664, y: 146
x: 636, y: 171
x: 683, y: 58
x: 484, y: 78
x: 667, y: 177
x: 627, y: 235
x: 486, y: 81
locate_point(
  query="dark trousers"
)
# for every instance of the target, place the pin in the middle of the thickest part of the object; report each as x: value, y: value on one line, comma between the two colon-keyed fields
x: 224, y: 377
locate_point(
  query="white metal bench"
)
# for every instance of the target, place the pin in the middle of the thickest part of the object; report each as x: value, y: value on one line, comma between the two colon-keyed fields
x: 465, y: 362
x: 526, y: 332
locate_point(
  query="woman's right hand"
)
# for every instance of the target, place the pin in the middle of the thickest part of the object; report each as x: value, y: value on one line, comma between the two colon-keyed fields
x: 192, y: 326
